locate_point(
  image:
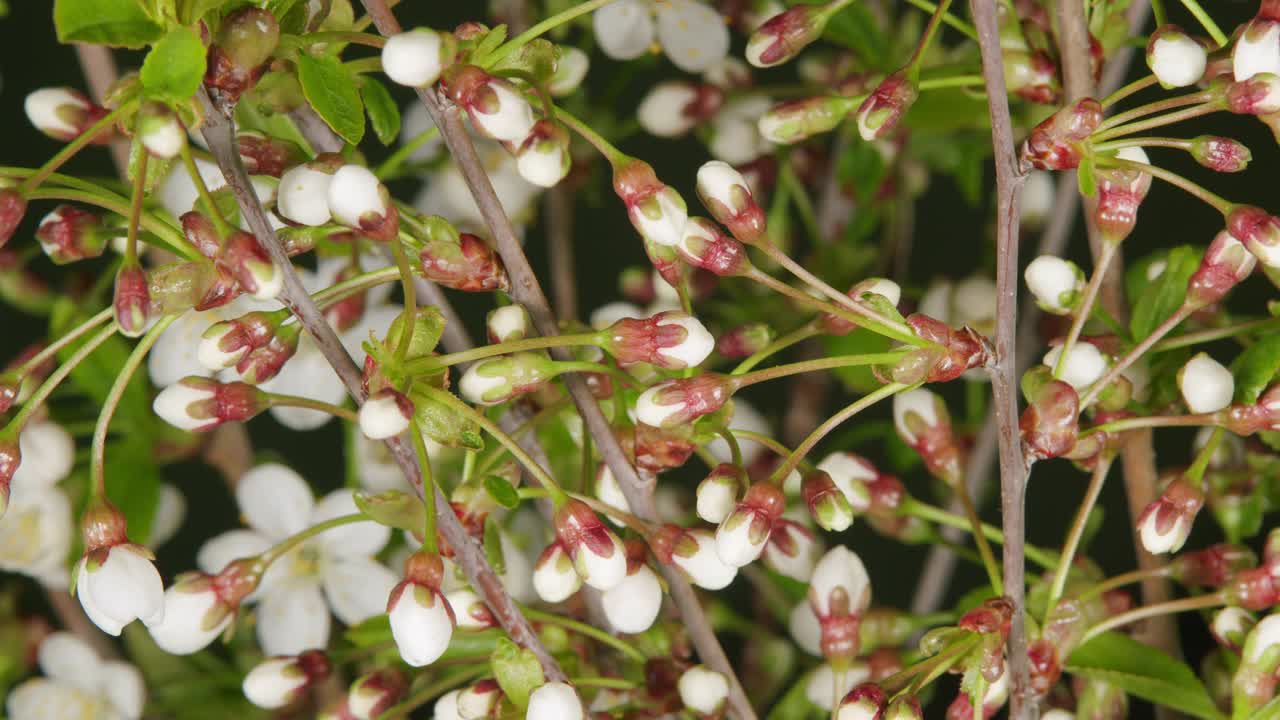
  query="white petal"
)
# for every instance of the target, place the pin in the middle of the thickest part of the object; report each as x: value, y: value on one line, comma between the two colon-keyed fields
x: 624, y: 28
x: 554, y: 701
x: 421, y: 631
x: 805, y: 629
x: 360, y: 539
x: 357, y: 588
x: 124, y: 687
x: 68, y: 659
x: 692, y: 34
x: 221, y: 550
x: 170, y: 513
x: 127, y: 586
x: 293, y: 618
x: 183, y: 631
x: 177, y: 193
x: 48, y: 453
x: 304, y: 196
x: 275, y: 501
x: 40, y: 699
x: 107, y: 623
x: 633, y: 605
x: 309, y: 375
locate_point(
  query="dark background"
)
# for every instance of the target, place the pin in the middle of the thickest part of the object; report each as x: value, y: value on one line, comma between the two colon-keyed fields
x: 951, y: 239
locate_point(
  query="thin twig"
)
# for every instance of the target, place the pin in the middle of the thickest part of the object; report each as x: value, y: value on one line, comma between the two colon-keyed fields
x: 99, y: 68
x: 1004, y: 381
x: 564, y: 286
x: 468, y: 554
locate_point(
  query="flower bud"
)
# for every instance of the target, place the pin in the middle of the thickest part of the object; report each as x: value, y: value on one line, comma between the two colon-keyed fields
x: 1120, y: 192
x: 745, y: 340
x: 1032, y: 76
x: 469, y: 610
x: 1226, y: 262
x: 1165, y: 524
x: 131, y: 300
x: 797, y: 120
x: 466, y: 264
x: 496, y: 107
x: 263, y: 363
x: 543, y: 158
x: 1084, y: 365
x: 883, y: 109
x: 421, y: 619
x: 479, y: 700
x: 224, y: 344
x: 1055, y: 283
x: 887, y: 290
x: 63, y: 113
x: 200, y: 404
x: 1212, y: 566
x: 694, y: 552
x: 571, y: 70
x: 159, y: 131
x: 1175, y: 58
x: 265, y: 155
x: 852, y: 474
x: 359, y: 201
x: 1220, y: 154
x: 598, y: 555
x: 1050, y: 424
x: 69, y: 234
x: 499, y: 379
x: 1258, y: 230
x: 632, y: 605
x: 742, y: 536
x: 1056, y: 143
x: 554, y: 701
x: 717, y: 494
x: 828, y: 505
x: 554, y: 578
x: 864, y: 702
x: 417, y: 57
x: 839, y: 593
x: 1206, y: 385
x: 609, y: 492
x: 507, y: 324
x: 670, y: 340
x: 656, y: 210
x: 373, y: 694
x: 12, y: 209
x: 961, y: 350
x: 280, y: 681
x: 385, y: 414
x: 115, y: 580
x: 1254, y: 683
x: 245, y: 42
x: 252, y: 266
x: 792, y: 550
x: 783, y: 36
x: 704, y: 246
x: 1257, y: 49
x: 1230, y: 626
x: 727, y: 196
x: 1259, y: 95
x: 198, y: 608
x: 906, y: 708
x: 303, y: 193
x: 922, y: 422
x: 703, y: 690
x: 679, y: 402
x: 673, y: 108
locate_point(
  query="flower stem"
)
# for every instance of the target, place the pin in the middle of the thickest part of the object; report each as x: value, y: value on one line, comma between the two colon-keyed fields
x: 491, y: 458
x: 1115, y: 121
x: 1168, y: 142
x: 429, y: 537
x: 1105, y: 255
x: 1207, y: 22
x: 309, y: 404
x: 804, y: 366
x: 67, y: 338
x: 55, y: 378
x: 979, y: 538
x: 73, y: 147
x: 586, y: 631
x: 604, y: 147
x: 135, y: 209
x: 150, y: 223
x: 930, y: 31
x: 97, y: 456
x: 944, y: 659
x: 794, y: 337
x: 1154, y: 421
x: 540, y: 29
x: 188, y: 160
x: 925, y: 511
x: 830, y: 424
x: 1217, y: 202
x: 1076, y: 533
x: 1123, y: 579
x: 1198, y: 602
x: 1133, y: 87
x: 1196, y: 472
x: 1159, y: 121
x: 1211, y: 334
x: 1132, y: 356
x: 392, y: 164
x: 604, y: 682
x: 947, y: 18
x: 782, y: 451
x: 341, y: 291
x: 735, y: 451
x: 568, y: 366
x: 282, y: 548
x: 407, y: 286
x: 514, y: 346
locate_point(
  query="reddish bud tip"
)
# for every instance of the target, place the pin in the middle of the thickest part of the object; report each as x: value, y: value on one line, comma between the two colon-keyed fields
x: 131, y: 302
x: 12, y: 209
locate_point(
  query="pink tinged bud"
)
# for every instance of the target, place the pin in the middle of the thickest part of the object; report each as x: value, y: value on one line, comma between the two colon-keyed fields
x: 1257, y: 49
x: 1213, y: 566
x: 678, y: 402
x: 263, y: 363
x: 657, y: 211
x: 1226, y: 262
x: 200, y: 404
x: 373, y: 694
x: 116, y: 581
x: 1033, y: 76
x: 507, y: 324
x: 694, y: 552
x: 197, y: 609
x: 598, y: 555
x: 554, y: 701
x: 783, y: 36
x: 962, y: 349
x: 280, y: 681
x: 385, y: 415
x: 1206, y: 385
x: 864, y: 702
x: 469, y: 610
x: 1050, y: 424
x: 468, y: 264
x: 199, y: 231
x: 238, y: 57
x: 554, y: 578
x: 632, y: 605
x: 543, y: 158
x: 840, y: 585
x: 741, y: 538
x: 1055, y: 283
x: 496, y: 107
x: 12, y: 209
x: 670, y: 340
x: 717, y: 494
x: 1120, y: 193
x: 727, y: 196
x: 1230, y: 626
x: 1085, y: 364
x: 1165, y: 524
x: 881, y: 112
x: 1259, y: 95
x: 1259, y: 231
x: 303, y: 194
x: 417, y: 57
x: 497, y: 380
x: 827, y: 504
x: 265, y: 155
x: 1175, y: 58
x: 797, y: 120
x: 226, y: 343
x: 68, y: 234
x: 793, y: 550
x: 160, y: 132
x: 703, y: 691
x: 704, y: 246
x: 745, y: 340
x: 252, y: 266
x: 479, y: 700
x: 359, y: 201
x: 922, y: 422
x: 131, y: 302
x: 1220, y: 153
x: 852, y: 474
x: 421, y: 619
x: 63, y: 113
x: 1055, y: 144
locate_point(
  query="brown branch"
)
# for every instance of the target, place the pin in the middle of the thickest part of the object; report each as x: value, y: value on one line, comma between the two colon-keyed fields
x: 317, y: 132
x: 99, y: 68
x: 468, y: 554
x: 526, y: 290
x: 1004, y: 381
x: 559, y: 208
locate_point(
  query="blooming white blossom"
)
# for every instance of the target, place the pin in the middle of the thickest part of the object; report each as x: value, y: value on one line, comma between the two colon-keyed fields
x: 421, y: 623
x: 664, y: 109
x: 840, y: 571
x: 446, y: 192
x: 77, y: 684
x: 691, y: 33
x: 1206, y: 384
x: 335, y: 570
x: 36, y: 531
x: 118, y: 584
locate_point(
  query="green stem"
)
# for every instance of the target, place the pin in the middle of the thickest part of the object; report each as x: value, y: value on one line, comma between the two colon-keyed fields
x: 943, y: 660
x: 964, y: 27
x: 994, y: 574
x: 805, y: 366
x: 491, y: 458
x: 953, y: 81
x: 782, y: 451
x: 429, y: 538
x: 799, y: 335
x: 1204, y: 336
x: 1076, y: 533
x: 1133, y: 87
x: 408, y: 288
x: 604, y: 147
x: 1155, y: 421
x: 215, y: 214
x: 1105, y: 255
x: 76, y: 145
x: 1123, y: 579
x: 568, y: 366
x: 1135, y: 352
x: 603, y: 682
x: 335, y: 36
x: 1168, y: 142
x: 930, y: 31
x: 800, y: 198
x: 391, y: 165
x: 432, y: 364
x: 1215, y: 201
x: 1207, y: 22
x: 334, y: 294
x: 540, y: 29
x: 1159, y: 121
x: 69, y: 337
x: 1151, y: 108
x: 924, y: 511
x: 830, y: 424
x: 1198, y: 602
x: 1196, y: 472
x: 168, y: 233
x: 282, y: 548
x: 55, y: 378
x: 735, y: 452
x: 309, y: 404
x: 97, y: 456
x: 586, y: 631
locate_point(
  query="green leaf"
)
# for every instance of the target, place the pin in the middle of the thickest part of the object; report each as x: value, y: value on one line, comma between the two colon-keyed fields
x: 1144, y: 672
x: 428, y: 326
x: 859, y: 379
x: 501, y: 491
x: 855, y: 27
x: 393, y: 508
x: 331, y: 89
x: 493, y: 546
x: 174, y: 67
x: 516, y: 670
x: 1164, y: 295
x: 384, y: 115
x: 4, y: 8
x: 1086, y: 178
x: 441, y: 423
x: 120, y: 23
x: 1270, y: 711
x: 1256, y: 367
x: 133, y: 483
x: 795, y: 704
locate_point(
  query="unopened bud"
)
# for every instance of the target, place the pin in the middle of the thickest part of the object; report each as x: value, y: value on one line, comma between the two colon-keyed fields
x: 717, y: 494
x: 497, y: 380
x: 507, y: 324
x: 704, y: 246
x: 358, y: 200
x: 957, y: 351
x: 1084, y: 365
x: 63, y: 113
x: 265, y: 361
x: 745, y: 340
x: 159, y: 131
x: 303, y: 193
x: 245, y: 42
x: 1230, y: 626
x: 1120, y: 193
x: 678, y: 402
x: 1258, y: 230
x: 200, y: 404
x: 496, y: 107
x: 694, y: 552
x: 1175, y: 58
x: 1055, y: 283
x: 1257, y: 49
x: 864, y: 702
x: 280, y: 681
x: 69, y: 234
x: 543, y: 158
x: 703, y: 691
x: 1050, y: 424
x: 266, y: 155
x: 12, y: 209
x: 372, y: 694
x: 1165, y: 524
x: 252, y: 266
x: 1226, y: 262
x: 884, y: 289
x: 554, y: 578
x: 1206, y: 385
x: 1033, y: 76
x: 1057, y: 142
x: 1259, y: 95
x: 783, y: 36
x: 131, y: 301
x: 797, y: 120
x: 385, y: 414
x: 923, y: 423
x: 727, y: 196
x: 466, y: 263
x: 881, y: 112
x: 1221, y: 154
x: 827, y: 503
x: 1212, y: 566
x: 417, y: 57
x: 598, y: 555
x: 741, y: 538
x: 656, y: 210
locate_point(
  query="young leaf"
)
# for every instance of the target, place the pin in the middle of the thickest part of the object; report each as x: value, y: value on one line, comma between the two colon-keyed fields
x: 120, y: 23
x: 1143, y: 671
x: 174, y: 67
x: 516, y: 670
x: 133, y: 483
x: 493, y: 546
x: 383, y: 113
x: 445, y: 426
x: 1086, y: 178
x: 331, y: 90
x: 393, y: 508
x: 501, y: 491
x: 855, y: 27
x: 1256, y: 367
x: 1164, y: 295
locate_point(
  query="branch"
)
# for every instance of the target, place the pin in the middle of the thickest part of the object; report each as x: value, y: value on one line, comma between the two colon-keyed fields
x: 468, y: 555
x: 99, y: 68
x: 1004, y: 380
x: 527, y: 291
x: 559, y: 208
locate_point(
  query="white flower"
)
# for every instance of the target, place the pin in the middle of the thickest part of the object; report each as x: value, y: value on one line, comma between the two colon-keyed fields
x: 825, y: 689
x: 303, y: 195
x: 703, y: 690
x: 48, y: 454
x: 919, y: 402
x: 735, y: 131
x: 663, y: 111
x: 354, y: 193
x: 1175, y: 58
x: 193, y: 616
x: 840, y: 573
x: 77, y: 684
x: 1207, y: 386
x: 1084, y: 366
x: 1257, y: 50
x: 421, y: 623
x: 414, y: 58
x: 36, y: 531
x: 696, y: 346
x: 571, y: 69
x: 469, y: 611
x: 178, y: 351
x: 705, y: 568
x: 693, y: 35
x: 274, y: 683
x: 385, y: 415
x: 554, y: 578
x: 1054, y: 282
x: 333, y: 570
x: 446, y: 193
x: 170, y: 512
x: 119, y: 584
x: 554, y: 701
x: 805, y: 628
x: 511, y: 118
x: 973, y: 303
x: 632, y: 605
